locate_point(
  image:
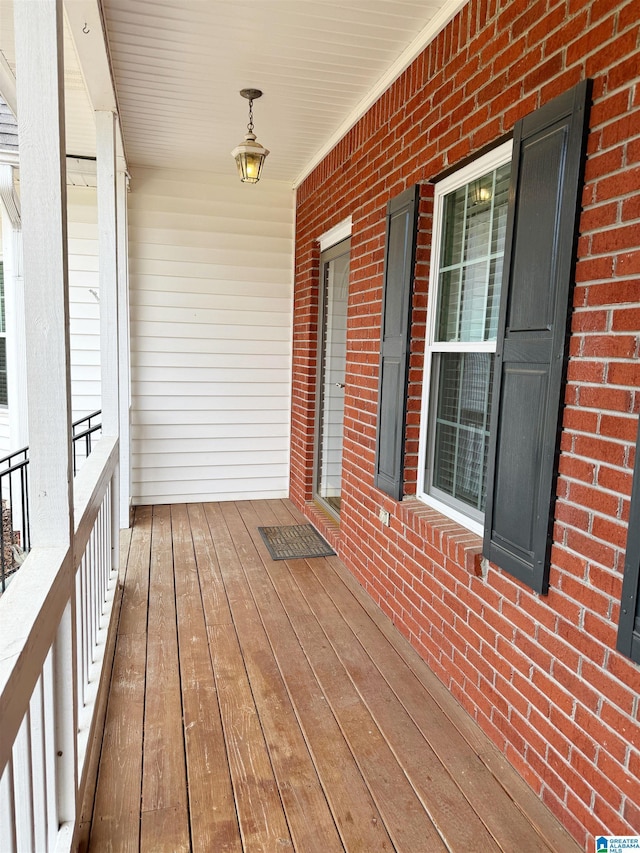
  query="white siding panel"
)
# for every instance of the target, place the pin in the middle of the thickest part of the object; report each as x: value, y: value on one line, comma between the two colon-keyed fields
x: 256, y: 265
x: 172, y: 188
x: 269, y: 285
x: 225, y: 346
x: 219, y: 360
x: 244, y: 315
x: 240, y: 407
x: 204, y: 332
x: 84, y: 309
x: 267, y: 419
x: 5, y: 443
x: 175, y: 375
x: 211, y: 272
x: 224, y: 301
x: 242, y: 433
x: 84, y: 305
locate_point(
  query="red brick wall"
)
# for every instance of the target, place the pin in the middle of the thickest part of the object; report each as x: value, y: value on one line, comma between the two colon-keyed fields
x: 540, y: 674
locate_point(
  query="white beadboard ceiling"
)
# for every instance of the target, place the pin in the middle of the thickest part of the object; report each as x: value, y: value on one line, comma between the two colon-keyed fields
x: 79, y: 119
x: 178, y: 67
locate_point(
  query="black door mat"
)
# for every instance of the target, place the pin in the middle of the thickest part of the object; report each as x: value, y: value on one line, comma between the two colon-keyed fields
x: 295, y: 542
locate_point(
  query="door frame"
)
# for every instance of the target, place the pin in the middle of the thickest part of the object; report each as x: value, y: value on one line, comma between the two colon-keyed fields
x: 343, y: 247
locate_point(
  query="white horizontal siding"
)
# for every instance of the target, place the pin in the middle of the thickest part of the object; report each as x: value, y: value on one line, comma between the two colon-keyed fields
x: 84, y: 306
x: 5, y: 441
x: 84, y: 310
x: 211, y: 269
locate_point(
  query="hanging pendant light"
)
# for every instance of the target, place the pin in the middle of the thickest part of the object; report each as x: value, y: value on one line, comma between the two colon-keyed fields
x: 250, y: 155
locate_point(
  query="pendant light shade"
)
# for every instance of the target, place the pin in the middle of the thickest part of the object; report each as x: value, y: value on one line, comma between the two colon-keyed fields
x: 250, y: 155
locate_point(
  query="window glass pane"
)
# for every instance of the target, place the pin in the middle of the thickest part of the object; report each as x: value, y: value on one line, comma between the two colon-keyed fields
x: 453, y: 232
x: 471, y: 318
x: 461, y: 434
x: 501, y: 199
x: 473, y: 229
x: 493, y: 300
x: 449, y: 297
x: 479, y: 217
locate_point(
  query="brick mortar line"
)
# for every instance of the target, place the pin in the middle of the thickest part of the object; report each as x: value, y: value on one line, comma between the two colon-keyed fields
x: 596, y: 513
x: 569, y: 550
x: 597, y: 359
x: 619, y: 442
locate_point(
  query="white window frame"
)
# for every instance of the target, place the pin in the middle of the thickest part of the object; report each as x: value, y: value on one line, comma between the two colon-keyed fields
x: 486, y: 163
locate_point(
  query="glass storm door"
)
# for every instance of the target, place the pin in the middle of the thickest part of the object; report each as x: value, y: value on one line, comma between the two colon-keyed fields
x: 332, y: 326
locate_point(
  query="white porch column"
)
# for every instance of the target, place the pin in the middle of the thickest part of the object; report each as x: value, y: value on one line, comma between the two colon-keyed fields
x: 122, y: 222
x: 108, y: 262
x: 14, y: 307
x: 40, y: 81
x: 40, y: 95
x: 85, y: 23
x: 109, y: 321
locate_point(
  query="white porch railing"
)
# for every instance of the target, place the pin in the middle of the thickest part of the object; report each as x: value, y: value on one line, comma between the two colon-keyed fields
x: 54, y: 621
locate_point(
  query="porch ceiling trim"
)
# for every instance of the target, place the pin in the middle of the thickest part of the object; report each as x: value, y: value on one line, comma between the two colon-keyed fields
x: 425, y: 37
x: 88, y: 31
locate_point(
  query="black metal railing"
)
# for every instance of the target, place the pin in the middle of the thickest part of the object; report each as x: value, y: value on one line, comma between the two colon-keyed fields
x: 82, y: 432
x: 14, y: 533
x: 15, y: 536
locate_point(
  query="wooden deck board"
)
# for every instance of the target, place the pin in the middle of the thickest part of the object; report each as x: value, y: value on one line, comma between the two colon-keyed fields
x: 311, y: 823
x: 431, y: 777
x: 214, y: 824
x: 261, y: 705
x: 263, y: 824
x: 455, y: 771
x: 405, y: 819
x: 163, y: 772
x: 355, y: 812
x: 502, y: 773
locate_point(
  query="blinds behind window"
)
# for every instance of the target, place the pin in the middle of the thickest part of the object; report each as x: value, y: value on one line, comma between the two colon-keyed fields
x: 474, y: 226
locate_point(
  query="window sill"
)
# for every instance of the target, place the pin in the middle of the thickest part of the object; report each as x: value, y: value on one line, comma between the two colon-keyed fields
x: 450, y: 538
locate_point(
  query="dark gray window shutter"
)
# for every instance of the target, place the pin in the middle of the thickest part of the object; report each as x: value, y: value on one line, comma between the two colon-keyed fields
x: 399, y: 263
x: 539, y: 261
x: 629, y: 625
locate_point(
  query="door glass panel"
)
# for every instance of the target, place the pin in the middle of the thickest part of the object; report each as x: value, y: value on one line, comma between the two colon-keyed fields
x: 333, y: 356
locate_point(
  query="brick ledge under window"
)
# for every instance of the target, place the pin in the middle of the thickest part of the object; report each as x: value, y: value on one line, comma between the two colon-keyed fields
x: 452, y: 539
x: 322, y: 521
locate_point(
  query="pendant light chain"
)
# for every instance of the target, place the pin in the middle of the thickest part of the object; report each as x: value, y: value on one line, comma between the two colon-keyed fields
x: 250, y: 125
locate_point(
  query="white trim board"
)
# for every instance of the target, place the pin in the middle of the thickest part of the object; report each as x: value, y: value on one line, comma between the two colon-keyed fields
x: 336, y: 234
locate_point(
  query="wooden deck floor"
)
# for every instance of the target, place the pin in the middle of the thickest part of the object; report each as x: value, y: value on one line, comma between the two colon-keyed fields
x: 269, y: 706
